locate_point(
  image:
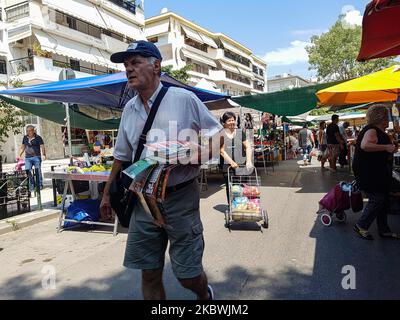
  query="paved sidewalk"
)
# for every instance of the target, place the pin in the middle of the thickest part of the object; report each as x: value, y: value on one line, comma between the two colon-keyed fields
x: 296, y: 258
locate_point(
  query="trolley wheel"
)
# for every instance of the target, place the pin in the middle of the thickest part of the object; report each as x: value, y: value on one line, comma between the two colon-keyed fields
x: 265, y: 224
x: 341, y: 217
x: 326, y: 220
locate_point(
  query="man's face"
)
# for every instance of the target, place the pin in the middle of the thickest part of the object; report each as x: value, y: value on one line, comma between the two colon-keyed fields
x: 140, y: 72
x: 30, y: 132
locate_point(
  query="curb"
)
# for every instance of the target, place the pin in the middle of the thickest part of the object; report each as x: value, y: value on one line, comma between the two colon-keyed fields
x: 28, y: 219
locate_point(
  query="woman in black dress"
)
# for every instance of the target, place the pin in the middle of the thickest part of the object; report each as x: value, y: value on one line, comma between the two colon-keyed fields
x: 372, y: 166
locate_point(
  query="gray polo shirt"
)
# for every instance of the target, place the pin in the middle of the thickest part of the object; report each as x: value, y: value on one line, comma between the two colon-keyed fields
x: 179, y: 110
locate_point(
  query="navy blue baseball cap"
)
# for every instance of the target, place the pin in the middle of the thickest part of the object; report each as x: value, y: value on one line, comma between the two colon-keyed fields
x: 141, y: 47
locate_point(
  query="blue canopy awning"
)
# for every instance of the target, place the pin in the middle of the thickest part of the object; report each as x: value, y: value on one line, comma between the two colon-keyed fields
x: 106, y: 90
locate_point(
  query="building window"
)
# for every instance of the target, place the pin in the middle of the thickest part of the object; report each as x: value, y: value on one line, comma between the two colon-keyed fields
x: 3, y: 67
x: 30, y: 119
x: 237, y: 77
x: 17, y: 11
x: 198, y: 67
x: 195, y: 44
x: 258, y: 86
x: 75, y: 65
x: 261, y: 73
x: 153, y: 39
x: 235, y: 57
x: 126, y: 4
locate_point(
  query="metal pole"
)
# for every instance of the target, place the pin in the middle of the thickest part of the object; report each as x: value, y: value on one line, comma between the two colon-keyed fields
x: 53, y: 183
x: 64, y: 76
x: 284, y: 141
x: 37, y: 185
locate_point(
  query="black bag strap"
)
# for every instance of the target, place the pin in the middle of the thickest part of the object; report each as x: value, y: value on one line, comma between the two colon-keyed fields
x: 149, y: 123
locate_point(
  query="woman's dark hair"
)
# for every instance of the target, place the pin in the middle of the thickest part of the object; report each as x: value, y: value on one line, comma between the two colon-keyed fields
x: 248, y: 116
x: 226, y: 116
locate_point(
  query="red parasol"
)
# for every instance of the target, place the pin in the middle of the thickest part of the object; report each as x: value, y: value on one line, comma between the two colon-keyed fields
x: 381, y: 30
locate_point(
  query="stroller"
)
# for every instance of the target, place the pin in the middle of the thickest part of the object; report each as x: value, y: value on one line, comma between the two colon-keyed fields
x: 342, y: 197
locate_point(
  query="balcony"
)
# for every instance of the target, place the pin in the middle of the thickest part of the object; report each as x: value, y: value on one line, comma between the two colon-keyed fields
x: 22, y: 65
x: 18, y: 11
x: 36, y: 70
x: 221, y: 77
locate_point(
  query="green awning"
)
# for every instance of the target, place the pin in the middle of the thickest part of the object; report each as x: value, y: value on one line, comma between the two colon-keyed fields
x: 55, y: 112
x: 285, y: 103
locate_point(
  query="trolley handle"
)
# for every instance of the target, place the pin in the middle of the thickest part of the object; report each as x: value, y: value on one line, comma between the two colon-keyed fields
x: 254, y: 170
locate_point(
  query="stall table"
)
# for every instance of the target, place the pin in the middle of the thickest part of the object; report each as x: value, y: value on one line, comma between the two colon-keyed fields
x: 92, y: 177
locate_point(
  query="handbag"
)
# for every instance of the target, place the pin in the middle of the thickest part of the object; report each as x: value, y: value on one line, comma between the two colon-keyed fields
x: 123, y: 200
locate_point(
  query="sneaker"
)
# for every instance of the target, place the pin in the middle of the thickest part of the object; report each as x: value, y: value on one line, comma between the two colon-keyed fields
x: 210, y: 293
x: 363, y: 233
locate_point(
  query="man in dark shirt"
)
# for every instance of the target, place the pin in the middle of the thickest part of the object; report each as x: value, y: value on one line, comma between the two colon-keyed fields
x: 33, y: 146
x: 335, y: 142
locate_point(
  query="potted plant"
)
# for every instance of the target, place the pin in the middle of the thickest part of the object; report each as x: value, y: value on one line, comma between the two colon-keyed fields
x: 37, y: 50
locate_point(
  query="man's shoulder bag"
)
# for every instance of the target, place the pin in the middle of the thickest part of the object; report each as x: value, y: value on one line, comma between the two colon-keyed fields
x: 122, y: 200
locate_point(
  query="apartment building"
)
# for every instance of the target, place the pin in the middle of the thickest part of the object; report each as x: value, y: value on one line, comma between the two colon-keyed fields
x: 38, y: 38
x: 286, y: 81
x: 229, y: 66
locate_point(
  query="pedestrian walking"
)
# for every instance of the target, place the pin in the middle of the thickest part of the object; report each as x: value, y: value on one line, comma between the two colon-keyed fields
x: 335, y: 142
x: 372, y: 166
x: 35, y: 152
x: 147, y: 242
x: 306, y: 142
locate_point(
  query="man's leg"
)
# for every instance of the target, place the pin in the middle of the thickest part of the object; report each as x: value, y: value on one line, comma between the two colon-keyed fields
x: 198, y: 285
x: 37, y: 162
x: 309, y: 149
x: 28, y: 168
x: 152, y: 285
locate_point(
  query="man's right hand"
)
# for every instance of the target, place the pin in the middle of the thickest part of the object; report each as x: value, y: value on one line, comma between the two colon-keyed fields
x: 390, y: 148
x: 105, y: 208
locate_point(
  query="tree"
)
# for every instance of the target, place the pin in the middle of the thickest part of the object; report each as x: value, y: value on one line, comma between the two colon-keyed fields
x: 10, y: 118
x: 180, y: 74
x: 334, y: 54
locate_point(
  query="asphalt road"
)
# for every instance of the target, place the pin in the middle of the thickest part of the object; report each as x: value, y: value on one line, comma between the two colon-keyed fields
x: 296, y: 258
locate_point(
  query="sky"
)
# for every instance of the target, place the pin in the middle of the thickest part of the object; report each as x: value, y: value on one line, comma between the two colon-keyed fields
x: 275, y: 31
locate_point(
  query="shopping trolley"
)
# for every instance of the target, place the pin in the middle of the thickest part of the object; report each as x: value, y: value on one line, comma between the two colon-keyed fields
x: 244, y: 197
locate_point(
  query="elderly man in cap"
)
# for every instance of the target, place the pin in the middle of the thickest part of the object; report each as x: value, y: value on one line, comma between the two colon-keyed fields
x: 147, y: 242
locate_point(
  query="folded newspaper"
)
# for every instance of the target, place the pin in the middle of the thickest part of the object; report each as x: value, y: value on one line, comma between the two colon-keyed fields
x: 170, y: 151
x: 149, y: 182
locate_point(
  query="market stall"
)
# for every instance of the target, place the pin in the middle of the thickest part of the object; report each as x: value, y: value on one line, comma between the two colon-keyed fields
x: 93, y: 178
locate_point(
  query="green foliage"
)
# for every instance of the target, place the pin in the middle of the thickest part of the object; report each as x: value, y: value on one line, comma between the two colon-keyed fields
x: 334, y: 54
x: 180, y: 74
x: 320, y: 112
x: 10, y: 117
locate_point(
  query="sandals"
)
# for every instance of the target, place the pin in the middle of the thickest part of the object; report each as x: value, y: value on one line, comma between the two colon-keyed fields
x: 390, y: 235
x: 364, y: 234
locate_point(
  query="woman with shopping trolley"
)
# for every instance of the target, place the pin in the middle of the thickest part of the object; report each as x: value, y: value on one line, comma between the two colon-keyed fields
x: 372, y: 166
x: 236, y: 149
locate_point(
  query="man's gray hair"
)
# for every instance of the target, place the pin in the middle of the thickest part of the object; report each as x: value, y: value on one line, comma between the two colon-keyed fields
x: 152, y: 61
x: 30, y: 127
